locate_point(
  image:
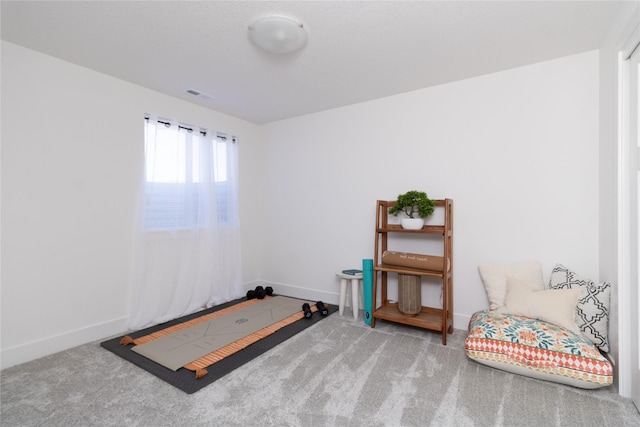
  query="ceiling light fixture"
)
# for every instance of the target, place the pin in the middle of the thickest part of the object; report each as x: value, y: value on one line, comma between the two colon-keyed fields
x: 278, y: 34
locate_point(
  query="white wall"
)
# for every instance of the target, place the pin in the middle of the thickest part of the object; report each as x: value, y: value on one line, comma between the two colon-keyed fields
x: 71, y: 153
x: 516, y: 150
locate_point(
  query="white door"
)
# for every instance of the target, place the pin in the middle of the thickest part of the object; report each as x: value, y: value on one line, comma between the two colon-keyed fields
x: 629, y: 221
x: 633, y: 171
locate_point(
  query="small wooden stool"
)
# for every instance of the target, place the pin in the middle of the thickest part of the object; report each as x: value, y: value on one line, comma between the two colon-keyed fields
x: 356, y: 291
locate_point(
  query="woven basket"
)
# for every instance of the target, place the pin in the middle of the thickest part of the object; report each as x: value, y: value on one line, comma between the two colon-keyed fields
x: 409, y: 294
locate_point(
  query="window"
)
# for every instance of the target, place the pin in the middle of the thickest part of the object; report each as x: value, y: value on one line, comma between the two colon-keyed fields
x: 185, y: 176
x: 187, y: 240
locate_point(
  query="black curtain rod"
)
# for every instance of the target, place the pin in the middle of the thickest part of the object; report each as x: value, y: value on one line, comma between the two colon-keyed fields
x: 167, y: 124
x: 188, y: 129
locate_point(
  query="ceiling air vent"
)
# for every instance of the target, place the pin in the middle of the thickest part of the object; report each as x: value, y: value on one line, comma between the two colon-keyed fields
x: 199, y: 94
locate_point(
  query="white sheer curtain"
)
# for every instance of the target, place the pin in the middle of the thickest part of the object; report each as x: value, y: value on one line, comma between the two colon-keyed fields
x: 187, y: 243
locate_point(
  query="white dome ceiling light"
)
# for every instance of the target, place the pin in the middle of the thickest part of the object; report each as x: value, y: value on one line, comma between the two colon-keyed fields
x: 278, y: 34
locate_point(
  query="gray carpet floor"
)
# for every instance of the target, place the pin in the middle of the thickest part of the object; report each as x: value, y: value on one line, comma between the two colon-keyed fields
x: 338, y: 372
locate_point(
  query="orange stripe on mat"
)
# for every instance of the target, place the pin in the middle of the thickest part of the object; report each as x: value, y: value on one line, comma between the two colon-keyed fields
x: 199, y: 365
x: 196, y: 321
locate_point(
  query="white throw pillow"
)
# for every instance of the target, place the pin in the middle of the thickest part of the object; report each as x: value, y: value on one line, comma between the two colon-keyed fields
x: 557, y: 306
x: 592, y: 315
x: 494, y: 278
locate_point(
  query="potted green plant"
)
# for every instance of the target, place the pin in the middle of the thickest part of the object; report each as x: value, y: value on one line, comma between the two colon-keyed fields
x: 416, y: 205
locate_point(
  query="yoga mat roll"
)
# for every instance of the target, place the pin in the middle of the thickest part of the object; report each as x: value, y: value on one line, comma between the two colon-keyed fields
x: 367, y: 284
x: 423, y: 262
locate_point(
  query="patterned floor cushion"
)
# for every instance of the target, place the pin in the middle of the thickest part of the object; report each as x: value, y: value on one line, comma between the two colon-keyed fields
x: 537, y: 349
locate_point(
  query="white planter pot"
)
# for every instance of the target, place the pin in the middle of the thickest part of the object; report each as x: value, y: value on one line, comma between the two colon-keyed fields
x: 412, y: 223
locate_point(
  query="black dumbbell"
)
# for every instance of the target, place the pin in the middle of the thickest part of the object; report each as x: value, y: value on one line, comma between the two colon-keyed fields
x: 322, y: 308
x: 269, y: 290
x: 251, y: 294
x: 260, y: 292
x: 306, y: 309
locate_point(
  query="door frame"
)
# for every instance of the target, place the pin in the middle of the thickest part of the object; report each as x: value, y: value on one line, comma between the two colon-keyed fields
x: 628, y: 219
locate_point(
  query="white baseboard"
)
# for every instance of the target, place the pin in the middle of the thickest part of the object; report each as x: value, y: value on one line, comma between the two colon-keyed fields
x: 297, y: 292
x: 46, y: 346
x: 460, y: 321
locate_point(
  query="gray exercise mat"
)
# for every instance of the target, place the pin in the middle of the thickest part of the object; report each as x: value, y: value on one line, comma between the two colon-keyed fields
x: 183, y: 347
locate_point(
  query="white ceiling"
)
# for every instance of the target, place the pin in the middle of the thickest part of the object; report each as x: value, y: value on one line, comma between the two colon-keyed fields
x: 356, y: 51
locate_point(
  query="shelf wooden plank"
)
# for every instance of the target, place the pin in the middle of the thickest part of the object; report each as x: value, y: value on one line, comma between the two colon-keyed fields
x: 429, y: 318
x: 427, y: 229
x: 408, y: 270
